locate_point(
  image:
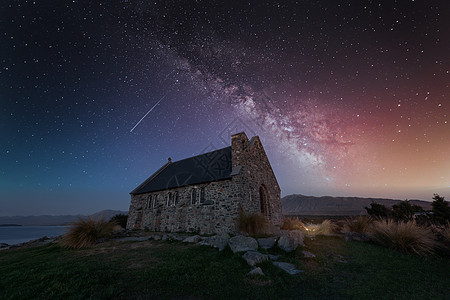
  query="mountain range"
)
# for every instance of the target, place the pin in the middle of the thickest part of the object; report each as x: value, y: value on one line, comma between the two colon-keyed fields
x: 297, y: 204
x: 50, y: 220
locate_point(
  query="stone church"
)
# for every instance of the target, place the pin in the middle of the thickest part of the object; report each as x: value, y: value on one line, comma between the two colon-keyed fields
x: 204, y: 193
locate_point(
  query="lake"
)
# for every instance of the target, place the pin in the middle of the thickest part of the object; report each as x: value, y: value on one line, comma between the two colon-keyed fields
x: 19, y: 234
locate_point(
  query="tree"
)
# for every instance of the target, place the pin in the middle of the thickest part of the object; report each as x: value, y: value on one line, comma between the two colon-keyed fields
x: 403, y: 211
x: 441, y: 210
x: 378, y: 211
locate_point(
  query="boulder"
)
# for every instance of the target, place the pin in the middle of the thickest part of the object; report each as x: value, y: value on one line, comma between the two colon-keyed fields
x: 218, y: 241
x: 242, y: 243
x: 341, y: 259
x: 267, y: 243
x: 254, y: 257
x: 205, y: 241
x: 156, y: 237
x: 308, y: 254
x: 192, y: 239
x: 289, y: 268
x: 165, y: 237
x: 176, y: 237
x: 289, y: 240
x: 273, y: 256
x: 256, y: 271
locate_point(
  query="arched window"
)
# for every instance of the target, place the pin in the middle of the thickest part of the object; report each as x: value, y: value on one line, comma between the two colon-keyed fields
x: 155, y: 201
x: 169, y: 199
x: 147, y: 204
x: 194, y: 196
x: 177, y: 198
x: 202, y: 195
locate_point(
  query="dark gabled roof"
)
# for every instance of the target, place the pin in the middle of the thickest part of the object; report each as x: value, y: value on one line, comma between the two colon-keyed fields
x: 211, y: 166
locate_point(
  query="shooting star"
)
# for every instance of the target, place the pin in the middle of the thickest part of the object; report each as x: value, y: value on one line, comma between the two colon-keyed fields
x: 148, y: 112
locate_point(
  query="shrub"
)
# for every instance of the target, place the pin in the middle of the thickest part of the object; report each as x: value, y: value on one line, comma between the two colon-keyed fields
x: 404, y: 211
x: 120, y: 219
x: 86, y: 232
x: 253, y: 223
x: 360, y: 224
x: 405, y: 237
x: 378, y: 211
x: 293, y: 224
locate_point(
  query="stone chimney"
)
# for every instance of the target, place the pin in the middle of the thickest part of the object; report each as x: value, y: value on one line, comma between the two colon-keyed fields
x: 239, y: 148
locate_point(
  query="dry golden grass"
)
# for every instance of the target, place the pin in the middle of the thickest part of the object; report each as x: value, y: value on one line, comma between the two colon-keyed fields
x: 405, y: 237
x: 360, y: 224
x: 86, y: 232
x: 326, y: 227
x: 293, y: 224
x: 252, y: 223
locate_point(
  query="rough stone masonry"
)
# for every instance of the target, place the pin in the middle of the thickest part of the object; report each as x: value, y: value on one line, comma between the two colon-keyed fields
x: 204, y: 193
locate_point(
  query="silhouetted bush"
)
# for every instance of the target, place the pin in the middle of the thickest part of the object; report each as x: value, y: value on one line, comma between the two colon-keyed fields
x: 405, y: 237
x: 404, y: 211
x: 378, y: 211
x: 120, y: 219
x: 86, y: 232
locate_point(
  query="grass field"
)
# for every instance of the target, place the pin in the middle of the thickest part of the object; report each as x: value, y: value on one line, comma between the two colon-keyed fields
x: 173, y: 270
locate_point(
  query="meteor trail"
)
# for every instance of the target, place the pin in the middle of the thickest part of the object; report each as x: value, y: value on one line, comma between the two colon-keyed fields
x: 148, y: 112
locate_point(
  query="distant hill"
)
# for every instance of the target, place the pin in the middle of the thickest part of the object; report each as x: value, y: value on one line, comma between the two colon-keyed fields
x: 336, y: 206
x: 49, y: 220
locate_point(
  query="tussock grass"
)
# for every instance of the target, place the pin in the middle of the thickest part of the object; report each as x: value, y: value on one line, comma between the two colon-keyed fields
x: 252, y: 223
x: 86, y: 232
x: 444, y: 239
x: 293, y: 224
x: 446, y: 235
x: 360, y: 224
x: 405, y: 237
x: 326, y: 227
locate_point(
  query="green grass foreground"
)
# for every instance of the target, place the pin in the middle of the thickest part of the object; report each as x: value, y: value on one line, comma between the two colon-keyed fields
x: 173, y: 270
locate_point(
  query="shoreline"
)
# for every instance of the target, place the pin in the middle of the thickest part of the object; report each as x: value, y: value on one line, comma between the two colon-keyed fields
x: 11, y: 236
x: 31, y: 243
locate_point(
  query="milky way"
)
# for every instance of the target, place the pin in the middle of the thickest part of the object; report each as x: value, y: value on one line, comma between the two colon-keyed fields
x: 348, y: 98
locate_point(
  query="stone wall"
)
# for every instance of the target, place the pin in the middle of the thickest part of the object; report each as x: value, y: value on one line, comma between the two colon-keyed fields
x: 217, y: 213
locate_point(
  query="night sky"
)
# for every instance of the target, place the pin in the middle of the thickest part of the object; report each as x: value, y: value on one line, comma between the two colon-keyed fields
x: 349, y: 98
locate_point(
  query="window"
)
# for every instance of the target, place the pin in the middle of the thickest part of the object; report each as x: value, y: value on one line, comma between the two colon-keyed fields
x: 202, y: 195
x: 177, y: 198
x: 194, y: 196
x: 155, y: 201
x: 147, y: 204
x: 169, y: 199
